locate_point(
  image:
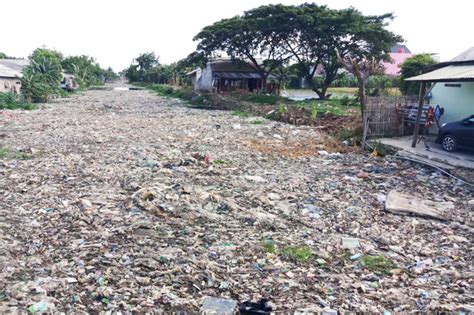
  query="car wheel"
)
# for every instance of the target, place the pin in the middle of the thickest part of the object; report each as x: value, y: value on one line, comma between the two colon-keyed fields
x: 449, y: 143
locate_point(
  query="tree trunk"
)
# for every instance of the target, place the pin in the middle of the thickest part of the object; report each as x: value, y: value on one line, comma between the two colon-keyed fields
x: 321, y: 92
x: 264, y: 83
x: 362, y: 99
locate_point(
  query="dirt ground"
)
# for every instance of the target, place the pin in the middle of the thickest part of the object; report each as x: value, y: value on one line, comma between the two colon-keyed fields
x: 125, y: 200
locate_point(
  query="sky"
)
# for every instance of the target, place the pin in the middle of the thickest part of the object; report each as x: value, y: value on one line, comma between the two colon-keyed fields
x: 116, y: 31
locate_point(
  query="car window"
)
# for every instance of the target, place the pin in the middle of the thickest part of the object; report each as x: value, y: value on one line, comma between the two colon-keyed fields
x: 471, y: 120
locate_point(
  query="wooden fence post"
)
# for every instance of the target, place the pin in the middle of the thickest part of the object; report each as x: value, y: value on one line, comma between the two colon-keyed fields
x: 418, y: 114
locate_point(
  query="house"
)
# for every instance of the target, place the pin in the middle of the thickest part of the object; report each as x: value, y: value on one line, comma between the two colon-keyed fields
x: 452, y: 87
x: 10, y: 74
x: 14, y: 68
x: 10, y: 80
x: 226, y: 75
x: 398, y: 55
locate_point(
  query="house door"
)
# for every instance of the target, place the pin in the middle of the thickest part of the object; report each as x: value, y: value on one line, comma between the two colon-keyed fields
x: 252, y: 83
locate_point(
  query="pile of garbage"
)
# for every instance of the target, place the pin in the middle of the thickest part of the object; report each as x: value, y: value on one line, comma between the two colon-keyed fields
x: 122, y: 200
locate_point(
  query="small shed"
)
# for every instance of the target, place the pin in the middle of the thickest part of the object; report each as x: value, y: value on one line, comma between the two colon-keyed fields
x: 451, y: 86
x: 226, y: 75
x: 10, y: 80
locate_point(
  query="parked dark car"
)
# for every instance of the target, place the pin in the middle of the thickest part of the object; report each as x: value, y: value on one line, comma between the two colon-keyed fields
x: 458, y: 134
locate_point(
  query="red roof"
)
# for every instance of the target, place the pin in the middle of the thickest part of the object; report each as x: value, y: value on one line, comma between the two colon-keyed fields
x: 393, y: 68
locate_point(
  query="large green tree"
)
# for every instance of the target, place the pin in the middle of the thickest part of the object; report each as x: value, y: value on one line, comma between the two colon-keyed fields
x: 318, y: 31
x: 147, y: 69
x: 411, y: 67
x: 85, y: 68
x: 309, y: 34
x: 250, y: 37
x: 141, y: 68
x: 41, y: 78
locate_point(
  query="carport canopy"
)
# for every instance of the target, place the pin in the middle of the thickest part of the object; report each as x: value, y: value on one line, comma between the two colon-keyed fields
x: 451, y: 73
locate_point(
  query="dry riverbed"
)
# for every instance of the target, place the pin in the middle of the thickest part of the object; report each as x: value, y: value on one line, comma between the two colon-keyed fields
x: 125, y: 200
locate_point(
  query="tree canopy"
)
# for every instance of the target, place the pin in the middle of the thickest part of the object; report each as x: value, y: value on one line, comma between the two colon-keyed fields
x: 42, y: 76
x: 248, y: 37
x: 307, y: 34
x: 146, y: 68
x: 411, y: 67
x: 85, y: 68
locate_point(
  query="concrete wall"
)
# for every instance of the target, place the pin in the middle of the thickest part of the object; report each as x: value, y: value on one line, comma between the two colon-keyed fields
x: 204, y: 81
x: 458, y: 102
x: 10, y: 85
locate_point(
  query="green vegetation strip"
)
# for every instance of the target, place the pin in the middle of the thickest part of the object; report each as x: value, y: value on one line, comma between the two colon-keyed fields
x: 14, y: 101
x: 336, y: 106
x: 378, y: 264
x: 6, y: 153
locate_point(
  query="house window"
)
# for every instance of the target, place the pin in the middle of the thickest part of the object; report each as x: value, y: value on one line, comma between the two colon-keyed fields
x: 458, y: 85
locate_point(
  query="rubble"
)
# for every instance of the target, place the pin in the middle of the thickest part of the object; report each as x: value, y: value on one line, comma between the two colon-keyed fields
x: 400, y: 203
x: 136, y: 203
x: 212, y: 305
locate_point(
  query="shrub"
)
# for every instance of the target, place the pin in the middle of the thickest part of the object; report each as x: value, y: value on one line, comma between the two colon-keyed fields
x: 345, y: 134
x: 345, y: 100
x: 262, y: 98
x: 14, y: 101
x: 41, y: 78
x: 86, y: 70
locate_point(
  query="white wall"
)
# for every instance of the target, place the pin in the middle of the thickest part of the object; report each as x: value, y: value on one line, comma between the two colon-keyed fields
x: 204, y: 82
x: 458, y: 102
x: 12, y: 85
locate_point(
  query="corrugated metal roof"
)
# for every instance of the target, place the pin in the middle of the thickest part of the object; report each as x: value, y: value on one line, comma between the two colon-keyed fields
x: 447, y: 74
x: 467, y: 55
x: 6, y: 72
x: 232, y: 66
x: 14, y: 64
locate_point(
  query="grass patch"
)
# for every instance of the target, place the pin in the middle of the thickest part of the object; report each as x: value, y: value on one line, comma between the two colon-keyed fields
x: 297, y: 254
x: 240, y: 113
x: 269, y: 246
x: 378, y: 264
x: 14, y: 101
x: 351, y: 91
x: 343, y: 90
x: 221, y: 162
x: 269, y: 99
x: 257, y: 122
x: 185, y: 94
x: 23, y: 155
x: 6, y: 153
x: 333, y: 106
